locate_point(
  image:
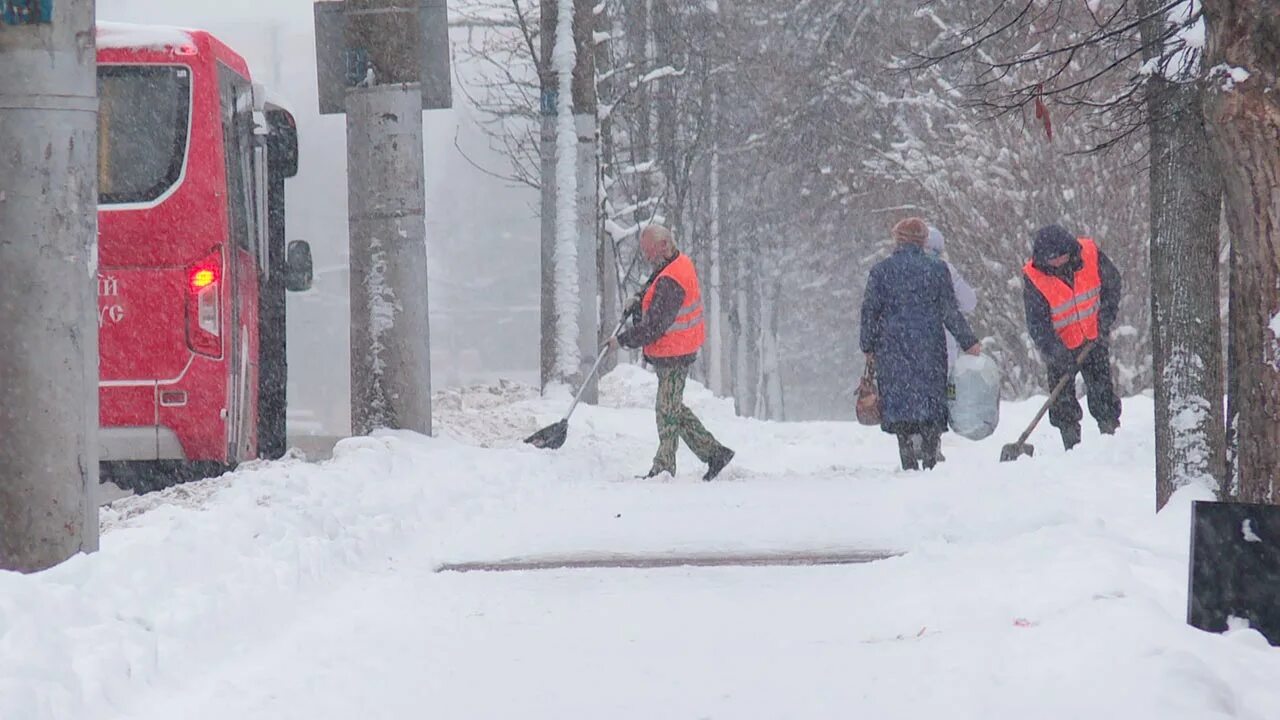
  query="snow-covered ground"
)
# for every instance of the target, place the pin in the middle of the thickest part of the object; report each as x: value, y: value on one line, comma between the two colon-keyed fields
x: 1040, y: 589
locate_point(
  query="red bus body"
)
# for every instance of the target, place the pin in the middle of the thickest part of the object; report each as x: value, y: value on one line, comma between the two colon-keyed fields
x: 182, y: 261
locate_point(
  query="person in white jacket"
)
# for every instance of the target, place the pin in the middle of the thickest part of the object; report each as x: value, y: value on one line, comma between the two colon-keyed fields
x: 966, y: 296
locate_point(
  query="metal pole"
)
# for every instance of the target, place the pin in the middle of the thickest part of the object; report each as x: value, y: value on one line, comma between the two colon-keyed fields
x: 390, y: 343
x: 48, y: 289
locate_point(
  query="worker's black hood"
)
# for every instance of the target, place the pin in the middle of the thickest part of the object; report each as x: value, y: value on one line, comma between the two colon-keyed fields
x: 1050, y: 242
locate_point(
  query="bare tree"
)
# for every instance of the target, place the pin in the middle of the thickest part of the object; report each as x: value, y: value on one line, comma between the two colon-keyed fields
x: 502, y: 53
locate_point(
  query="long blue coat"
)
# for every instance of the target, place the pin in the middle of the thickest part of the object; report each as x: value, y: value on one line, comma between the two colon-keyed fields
x: 908, y: 303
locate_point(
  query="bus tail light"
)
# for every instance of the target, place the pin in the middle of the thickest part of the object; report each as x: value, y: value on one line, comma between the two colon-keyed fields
x: 204, y: 334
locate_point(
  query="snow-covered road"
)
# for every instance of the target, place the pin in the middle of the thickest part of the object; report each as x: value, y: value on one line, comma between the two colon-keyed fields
x: 1039, y: 589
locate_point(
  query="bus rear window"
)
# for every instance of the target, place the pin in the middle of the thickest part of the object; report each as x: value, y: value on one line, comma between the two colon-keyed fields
x: 143, y: 114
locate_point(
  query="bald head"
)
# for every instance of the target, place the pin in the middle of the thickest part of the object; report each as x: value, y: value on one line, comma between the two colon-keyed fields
x: 657, y: 244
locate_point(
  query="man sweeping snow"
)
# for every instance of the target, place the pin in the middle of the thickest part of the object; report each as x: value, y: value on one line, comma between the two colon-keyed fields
x: 671, y: 331
x: 1071, y: 291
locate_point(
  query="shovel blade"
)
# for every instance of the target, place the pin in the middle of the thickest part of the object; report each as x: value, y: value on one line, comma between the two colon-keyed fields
x: 1013, y: 451
x: 550, y: 437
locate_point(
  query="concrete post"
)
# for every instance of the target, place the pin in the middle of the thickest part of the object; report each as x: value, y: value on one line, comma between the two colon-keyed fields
x: 48, y: 289
x: 390, y: 343
x: 390, y: 347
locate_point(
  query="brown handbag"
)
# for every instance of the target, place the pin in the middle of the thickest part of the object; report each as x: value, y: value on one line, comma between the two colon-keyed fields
x: 868, y: 405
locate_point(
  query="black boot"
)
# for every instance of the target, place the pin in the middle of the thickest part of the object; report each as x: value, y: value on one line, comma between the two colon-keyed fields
x: 929, y: 449
x: 717, y: 463
x: 1108, y: 427
x: 907, y: 451
x: 1070, y: 435
x: 937, y: 455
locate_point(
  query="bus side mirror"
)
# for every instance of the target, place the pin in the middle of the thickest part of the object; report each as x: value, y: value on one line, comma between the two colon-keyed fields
x: 283, y: 141
x: 297, y: 266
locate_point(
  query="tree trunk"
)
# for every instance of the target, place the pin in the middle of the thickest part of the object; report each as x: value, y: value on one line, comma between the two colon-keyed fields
x: 548, y: 83
x: 1186, y: 334
x: 744, y: 359
x: 770, y: 388
x: 1244, y: 129
x: 1235, y: 308
x: 585, y: 122
x: 606, y: 253
x: 569, y: 262
x: 639, y: 43
x: 663, y: 21
x: 715, y: 338
x: 749, y: 357
x: 728, y: 297
x: 1185, y: 329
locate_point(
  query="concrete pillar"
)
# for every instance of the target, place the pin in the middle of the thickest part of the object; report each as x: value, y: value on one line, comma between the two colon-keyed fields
x: 390, y: 346
x: 48, y: 289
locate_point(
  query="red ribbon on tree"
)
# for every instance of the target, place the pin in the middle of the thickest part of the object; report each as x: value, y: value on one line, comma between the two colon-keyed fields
x: 1042, y: 113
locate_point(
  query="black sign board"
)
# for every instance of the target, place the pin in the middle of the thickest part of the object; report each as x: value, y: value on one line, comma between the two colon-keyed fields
x: 339, y: 65
x: 1235, y: 567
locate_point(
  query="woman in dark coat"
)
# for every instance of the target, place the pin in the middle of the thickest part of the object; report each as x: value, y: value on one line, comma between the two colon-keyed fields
x: 908, y: 303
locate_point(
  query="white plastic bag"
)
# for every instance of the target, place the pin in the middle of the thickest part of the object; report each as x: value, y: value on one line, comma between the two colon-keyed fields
x: 974, y: 402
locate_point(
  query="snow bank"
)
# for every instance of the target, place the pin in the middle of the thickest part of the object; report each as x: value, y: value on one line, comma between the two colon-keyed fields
x: 497, y: 415
x: 631, y: 386
x: 204, y: 569
x: 1043, y: 588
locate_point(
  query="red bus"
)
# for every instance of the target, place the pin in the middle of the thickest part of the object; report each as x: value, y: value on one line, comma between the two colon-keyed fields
x: 192, y: 260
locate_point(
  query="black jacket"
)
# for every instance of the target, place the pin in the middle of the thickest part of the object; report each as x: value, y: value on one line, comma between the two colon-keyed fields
x: 1039, y: 317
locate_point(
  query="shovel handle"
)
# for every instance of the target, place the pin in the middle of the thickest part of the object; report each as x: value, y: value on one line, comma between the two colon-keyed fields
x: 1057, y: 390
x: 586, y: 380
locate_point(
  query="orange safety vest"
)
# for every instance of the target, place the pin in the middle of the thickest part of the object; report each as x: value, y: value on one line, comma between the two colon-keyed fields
x: 1074, y: 310
x: 687, y: 332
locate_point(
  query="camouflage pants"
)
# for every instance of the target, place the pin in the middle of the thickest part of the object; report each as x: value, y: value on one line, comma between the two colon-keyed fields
x: 677, y: 422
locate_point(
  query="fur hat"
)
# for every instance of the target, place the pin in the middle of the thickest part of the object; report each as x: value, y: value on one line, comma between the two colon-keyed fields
x: 912, y: 231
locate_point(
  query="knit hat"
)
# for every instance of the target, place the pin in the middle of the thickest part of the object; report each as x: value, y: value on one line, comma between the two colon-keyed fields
x: 935, y: 242
x: 912, y: 231
x: 1052, y: 241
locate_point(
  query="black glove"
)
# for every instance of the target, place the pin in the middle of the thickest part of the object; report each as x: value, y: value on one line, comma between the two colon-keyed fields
x: 633, y: 308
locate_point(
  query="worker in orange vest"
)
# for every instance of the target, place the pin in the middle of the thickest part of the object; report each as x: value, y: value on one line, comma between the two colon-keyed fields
x: 671, y: 330
x: 1071, y: 291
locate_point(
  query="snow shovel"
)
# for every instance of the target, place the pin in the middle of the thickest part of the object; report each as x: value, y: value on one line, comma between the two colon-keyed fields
x: 1013, y: 451
x: 553, y: 436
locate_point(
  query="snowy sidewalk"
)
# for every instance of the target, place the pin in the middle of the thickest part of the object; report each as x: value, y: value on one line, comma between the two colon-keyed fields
x: 1038, y: 589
